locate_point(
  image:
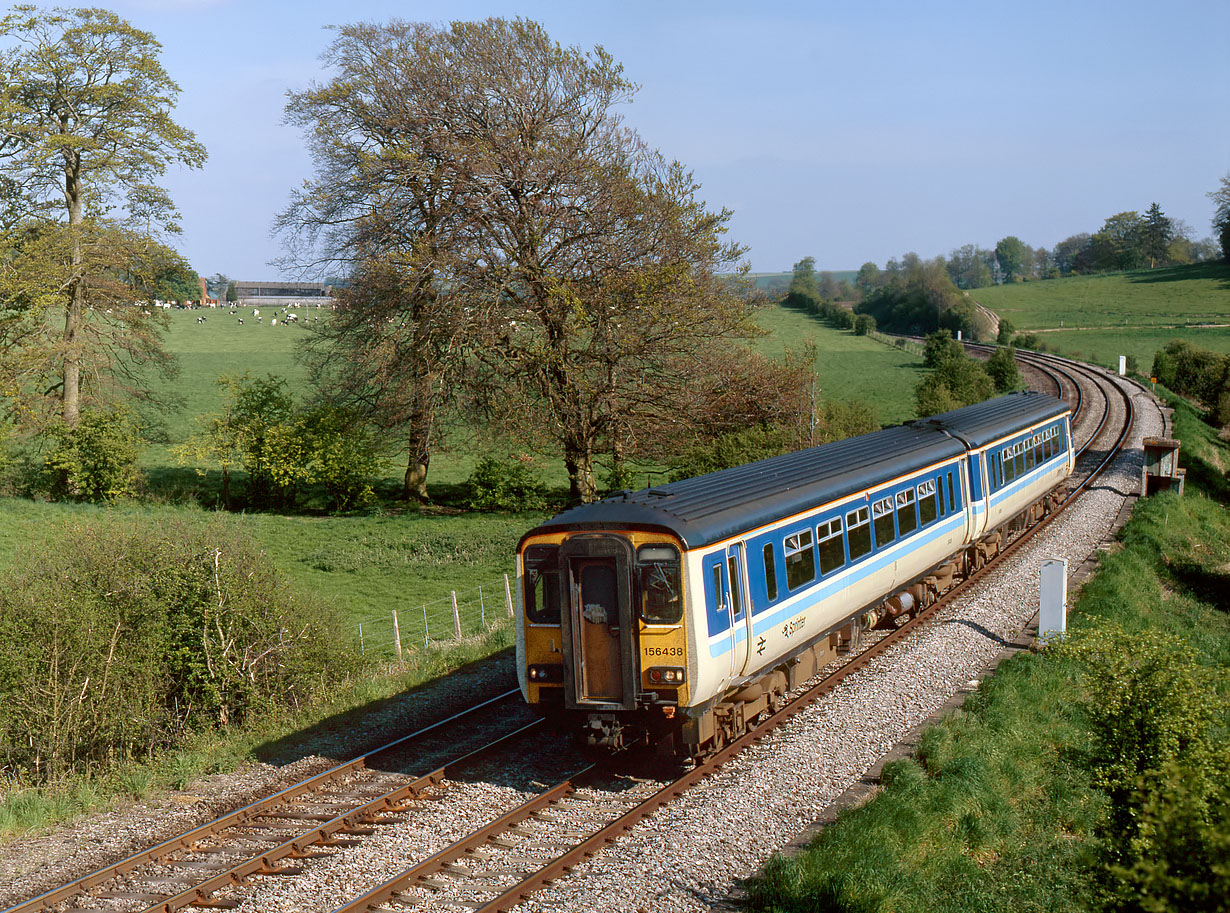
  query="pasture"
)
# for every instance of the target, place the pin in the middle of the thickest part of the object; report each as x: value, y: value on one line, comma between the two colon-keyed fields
x: 1161, y: 298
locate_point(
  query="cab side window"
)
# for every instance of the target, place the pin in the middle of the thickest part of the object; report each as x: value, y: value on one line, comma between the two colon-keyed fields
x: 542, y: 584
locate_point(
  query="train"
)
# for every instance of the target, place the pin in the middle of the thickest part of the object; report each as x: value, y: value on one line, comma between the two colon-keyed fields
x: 676, y: 615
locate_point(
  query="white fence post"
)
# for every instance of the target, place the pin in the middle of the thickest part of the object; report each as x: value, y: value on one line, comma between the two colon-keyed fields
x: 508, y: 596
x: 456, y: 616
x: 396, y: 635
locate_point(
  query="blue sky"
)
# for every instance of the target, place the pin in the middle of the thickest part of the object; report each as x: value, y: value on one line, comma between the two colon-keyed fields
x: 846, y: 131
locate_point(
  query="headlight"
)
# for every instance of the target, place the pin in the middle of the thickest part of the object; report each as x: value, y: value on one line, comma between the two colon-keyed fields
x: 546, y: 672
x: 667, y: 675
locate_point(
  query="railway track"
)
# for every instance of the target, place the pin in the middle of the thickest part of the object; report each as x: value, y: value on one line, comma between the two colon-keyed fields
x: 505, y: 861
x: 489, y: 868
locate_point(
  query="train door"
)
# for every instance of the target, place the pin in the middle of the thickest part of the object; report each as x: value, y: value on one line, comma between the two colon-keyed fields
x: 718, y: 615
x: 598, y: 622
x: 594, y: 595
x: 740, y: 608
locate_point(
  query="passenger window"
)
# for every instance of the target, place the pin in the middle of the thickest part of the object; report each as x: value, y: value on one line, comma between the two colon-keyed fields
x: 1029, y: 457
x: 800, y: 558
x: 858, y: 529
x: 770, y: 572
x: 659, y: 584
x: 541, y: 584
x: 832, y: 548
x: 952, y: 494
x: 736, y: 586
x: 1009, y: 467
x: 907, y: 516
x: 1019, y: 459
x: 882, y: 514
x: 927, y: 502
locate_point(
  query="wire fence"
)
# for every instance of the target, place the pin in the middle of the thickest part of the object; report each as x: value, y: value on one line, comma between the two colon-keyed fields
x: 459, y: 615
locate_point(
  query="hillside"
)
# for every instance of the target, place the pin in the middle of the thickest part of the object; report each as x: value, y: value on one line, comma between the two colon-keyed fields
x: 1135, y: 313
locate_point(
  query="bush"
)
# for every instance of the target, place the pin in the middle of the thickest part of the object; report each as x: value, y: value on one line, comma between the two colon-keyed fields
x: 864, y: 324
x: 504, y: 485
x: 731, y: 449
x: 1152, y: 709
x: 121, y: 636
x: 95, y: 461
x: 1003, y: 370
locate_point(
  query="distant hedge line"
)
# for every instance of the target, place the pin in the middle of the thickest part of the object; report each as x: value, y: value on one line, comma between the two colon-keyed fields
x: 121, y: 636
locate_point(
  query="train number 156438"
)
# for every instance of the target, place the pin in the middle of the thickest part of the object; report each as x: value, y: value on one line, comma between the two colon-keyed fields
x: 794, y: 626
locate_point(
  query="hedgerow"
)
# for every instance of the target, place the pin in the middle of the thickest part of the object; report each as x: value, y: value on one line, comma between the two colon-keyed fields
x: 123, y: 636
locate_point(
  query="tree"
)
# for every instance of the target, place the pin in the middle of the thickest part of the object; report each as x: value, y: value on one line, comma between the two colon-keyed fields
x: 1119, y: 244
x: 86, y: 107
x: 179, y: 283
x: 1221, y: 215
x: 1156, y: 234
x: 1015, y: 258
x: 217, y: 284
x: 970, y: 267
x: 804, y: 288
x: 539, y: 251
x: 1071, y: 255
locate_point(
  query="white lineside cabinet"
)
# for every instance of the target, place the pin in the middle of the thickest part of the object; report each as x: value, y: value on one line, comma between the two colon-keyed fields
x: 1053, y: 599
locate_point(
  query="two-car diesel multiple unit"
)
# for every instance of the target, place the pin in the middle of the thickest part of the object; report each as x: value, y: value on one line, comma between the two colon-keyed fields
x: 680, y: 613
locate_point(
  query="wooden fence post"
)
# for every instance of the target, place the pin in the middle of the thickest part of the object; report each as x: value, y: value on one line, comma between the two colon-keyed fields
x: 456, y: 616
x: 396, y: 635
x: 508, y: 596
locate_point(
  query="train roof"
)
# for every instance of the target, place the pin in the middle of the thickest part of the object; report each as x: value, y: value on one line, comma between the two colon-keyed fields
x: 716, y: 506
x: 992, y: 419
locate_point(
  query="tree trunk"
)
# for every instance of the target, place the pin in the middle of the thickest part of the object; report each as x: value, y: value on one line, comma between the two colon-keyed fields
x: 419, y: 446
x: 415, y: 485
x: 71, y: 394
x: 582, y: 488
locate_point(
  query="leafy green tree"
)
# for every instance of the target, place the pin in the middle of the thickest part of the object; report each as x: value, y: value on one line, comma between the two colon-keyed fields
x: 180, y: 283
x: 1156, y: 234
x: 864, y: 324
x: 1072, y: 255
x: 87, y: 106
x: 1221, y: 215
x: 1015, y: 258
x: 1119, y: 245
x: 969, y: 267
x: 868, y: 279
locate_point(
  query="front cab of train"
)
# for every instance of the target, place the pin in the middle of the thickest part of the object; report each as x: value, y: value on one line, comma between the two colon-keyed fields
x: 601, y: 640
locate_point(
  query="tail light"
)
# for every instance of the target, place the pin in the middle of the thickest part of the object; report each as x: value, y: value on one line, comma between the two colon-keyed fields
x: 667, y: 675
x: 550, y: 673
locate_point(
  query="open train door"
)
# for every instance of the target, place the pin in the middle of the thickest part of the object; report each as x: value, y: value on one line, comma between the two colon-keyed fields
x: 597, y: 620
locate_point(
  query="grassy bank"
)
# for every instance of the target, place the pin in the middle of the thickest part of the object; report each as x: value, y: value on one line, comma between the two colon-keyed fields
x: 999, y: 811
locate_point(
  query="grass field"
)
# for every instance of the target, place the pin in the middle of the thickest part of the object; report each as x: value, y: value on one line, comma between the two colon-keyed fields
x: 847, y: 366
x: 1166, y: 297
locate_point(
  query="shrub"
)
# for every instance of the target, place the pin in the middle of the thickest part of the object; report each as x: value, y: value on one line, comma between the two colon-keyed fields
x: 731, y: 449
x: 864, y: 324
x: 1151, y: 709
x: 96, y: 460
x: 121, y: 636
x: 504, y: 485
x: 1003, y: 370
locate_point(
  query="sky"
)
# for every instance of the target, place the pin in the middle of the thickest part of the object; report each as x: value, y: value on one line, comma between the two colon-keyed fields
x: 845, y: 131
